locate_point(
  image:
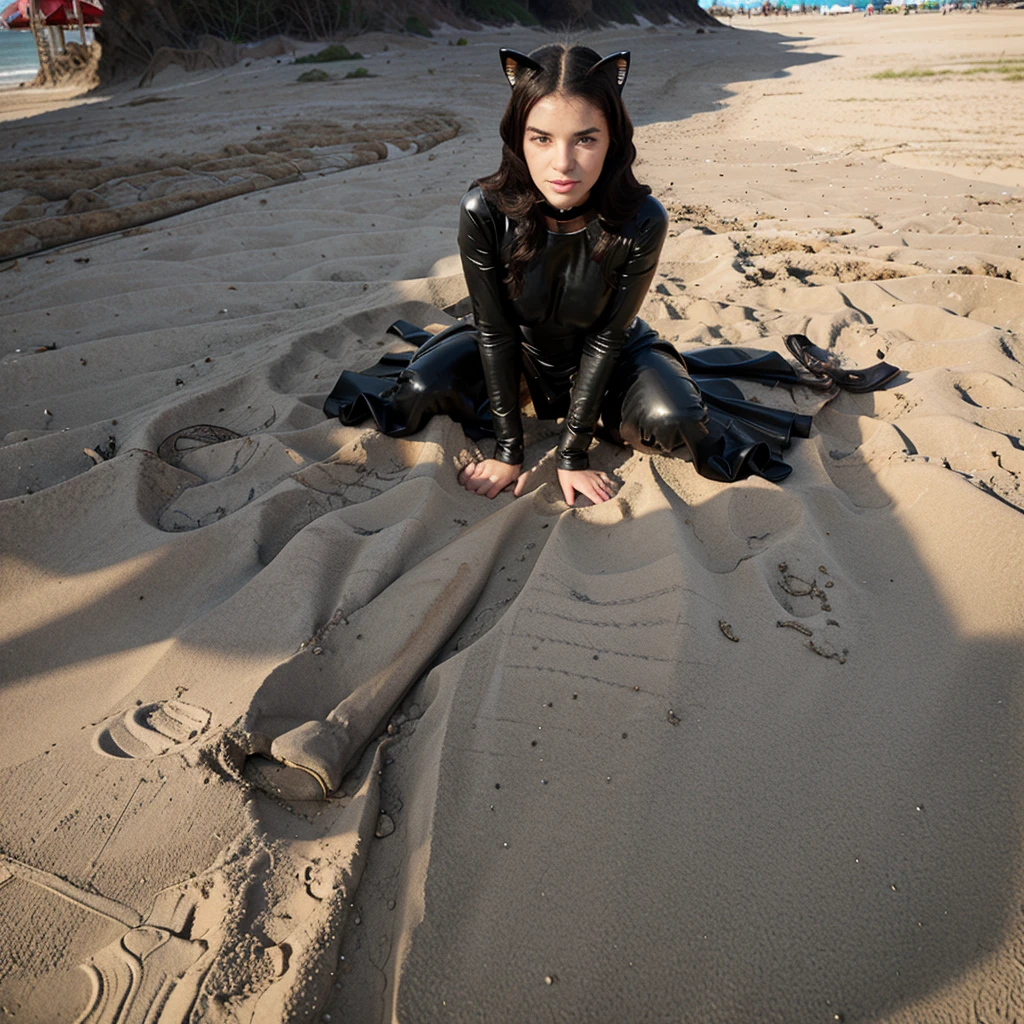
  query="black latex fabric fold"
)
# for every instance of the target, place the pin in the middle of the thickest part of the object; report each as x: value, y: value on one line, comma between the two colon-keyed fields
x: 402, y: 391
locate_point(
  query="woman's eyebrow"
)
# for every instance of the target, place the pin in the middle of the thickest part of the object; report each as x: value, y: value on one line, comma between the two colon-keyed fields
x: 586, y: 131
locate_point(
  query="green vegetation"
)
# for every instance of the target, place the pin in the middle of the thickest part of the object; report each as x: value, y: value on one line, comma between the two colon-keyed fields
x: 462, y: 41
x: 1011, y: 70
x: 248, y: 20
x: 416, y: 27
x: 499, y: 11
x: 360, y: 73
x: 911, y: 73
x: 333, y: 52
x: 313, y: 75
x: 622, y: 11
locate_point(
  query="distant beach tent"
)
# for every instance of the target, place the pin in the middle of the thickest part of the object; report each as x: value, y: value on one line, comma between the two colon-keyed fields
x: 52, y: 12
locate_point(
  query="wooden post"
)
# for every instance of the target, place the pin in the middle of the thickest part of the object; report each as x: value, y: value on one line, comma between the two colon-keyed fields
x: 42, y: 42
x: 81, y: 22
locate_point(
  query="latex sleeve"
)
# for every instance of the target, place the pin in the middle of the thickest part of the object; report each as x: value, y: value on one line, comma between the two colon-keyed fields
x: 500, y: 340
x: 601, y: 349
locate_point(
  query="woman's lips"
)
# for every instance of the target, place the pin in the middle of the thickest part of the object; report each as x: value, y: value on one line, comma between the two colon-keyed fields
x: 563, y: 186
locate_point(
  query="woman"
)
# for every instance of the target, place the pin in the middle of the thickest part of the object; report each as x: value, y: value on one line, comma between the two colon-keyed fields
x: 559, y: 248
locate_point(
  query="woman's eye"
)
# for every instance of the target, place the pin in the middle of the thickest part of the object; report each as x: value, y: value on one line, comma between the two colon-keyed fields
x: 588, y: 139
x: 539, y: 138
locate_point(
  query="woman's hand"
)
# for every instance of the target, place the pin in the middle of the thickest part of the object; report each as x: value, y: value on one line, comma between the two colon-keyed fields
x: 491, y: 477
x: 596, y: 486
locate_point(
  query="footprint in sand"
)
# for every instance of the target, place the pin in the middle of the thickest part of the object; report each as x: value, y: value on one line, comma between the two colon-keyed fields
x: 151, y: 729
x: 154, y: 971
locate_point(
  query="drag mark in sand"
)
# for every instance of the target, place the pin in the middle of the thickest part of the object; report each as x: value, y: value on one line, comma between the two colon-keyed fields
x: 128, y: 802
x: 98, y: 904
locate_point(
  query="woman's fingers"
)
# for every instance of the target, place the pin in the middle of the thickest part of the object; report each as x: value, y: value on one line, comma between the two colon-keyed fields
x: 488, y: 478
x: 596, y: 486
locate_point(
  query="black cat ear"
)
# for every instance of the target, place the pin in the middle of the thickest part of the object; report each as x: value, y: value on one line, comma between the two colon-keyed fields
x: 618, y: 63
x: 513, y: 63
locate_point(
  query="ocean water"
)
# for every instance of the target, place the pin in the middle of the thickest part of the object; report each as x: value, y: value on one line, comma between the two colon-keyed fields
x: 18, y: 59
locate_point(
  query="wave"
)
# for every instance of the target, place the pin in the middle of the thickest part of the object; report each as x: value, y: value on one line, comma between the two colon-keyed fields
x: 9, y: 74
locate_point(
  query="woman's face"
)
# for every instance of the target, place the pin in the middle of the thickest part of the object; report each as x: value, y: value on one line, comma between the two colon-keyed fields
x: 565, y: 143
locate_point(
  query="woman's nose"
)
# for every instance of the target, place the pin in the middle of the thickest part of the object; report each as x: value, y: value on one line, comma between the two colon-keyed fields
x: 564, y: 158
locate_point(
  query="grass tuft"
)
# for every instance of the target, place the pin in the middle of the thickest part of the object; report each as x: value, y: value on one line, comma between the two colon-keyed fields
x: 1011, y: 70
x: 909, y: 73
x: 416, y: 27
x: 336, y: 51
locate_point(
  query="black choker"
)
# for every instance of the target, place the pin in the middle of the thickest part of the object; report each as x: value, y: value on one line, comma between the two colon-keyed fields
x: 571, y: 214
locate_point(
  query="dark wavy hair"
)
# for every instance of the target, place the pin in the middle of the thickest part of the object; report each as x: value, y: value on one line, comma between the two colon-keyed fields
x: 616, y: 195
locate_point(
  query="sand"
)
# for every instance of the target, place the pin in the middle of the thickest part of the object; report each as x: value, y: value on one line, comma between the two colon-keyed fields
x: 704, y: 753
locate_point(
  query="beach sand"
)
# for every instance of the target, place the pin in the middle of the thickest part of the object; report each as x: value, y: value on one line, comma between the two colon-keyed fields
x: 704, y: 753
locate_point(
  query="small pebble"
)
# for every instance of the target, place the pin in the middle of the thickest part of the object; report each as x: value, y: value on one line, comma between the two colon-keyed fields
x: 385, y: 826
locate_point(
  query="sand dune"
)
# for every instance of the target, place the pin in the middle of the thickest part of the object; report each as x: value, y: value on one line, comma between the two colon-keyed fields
x: 703, y: 753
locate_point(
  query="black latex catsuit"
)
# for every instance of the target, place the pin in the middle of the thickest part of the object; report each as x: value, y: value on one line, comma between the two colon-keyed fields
x: 575, y: 336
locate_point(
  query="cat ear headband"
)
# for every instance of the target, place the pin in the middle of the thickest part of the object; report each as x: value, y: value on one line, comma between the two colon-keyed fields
x: 514, y: 63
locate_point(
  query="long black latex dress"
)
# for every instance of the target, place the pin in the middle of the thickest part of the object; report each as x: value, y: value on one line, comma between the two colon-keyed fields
x: 575, y: 336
